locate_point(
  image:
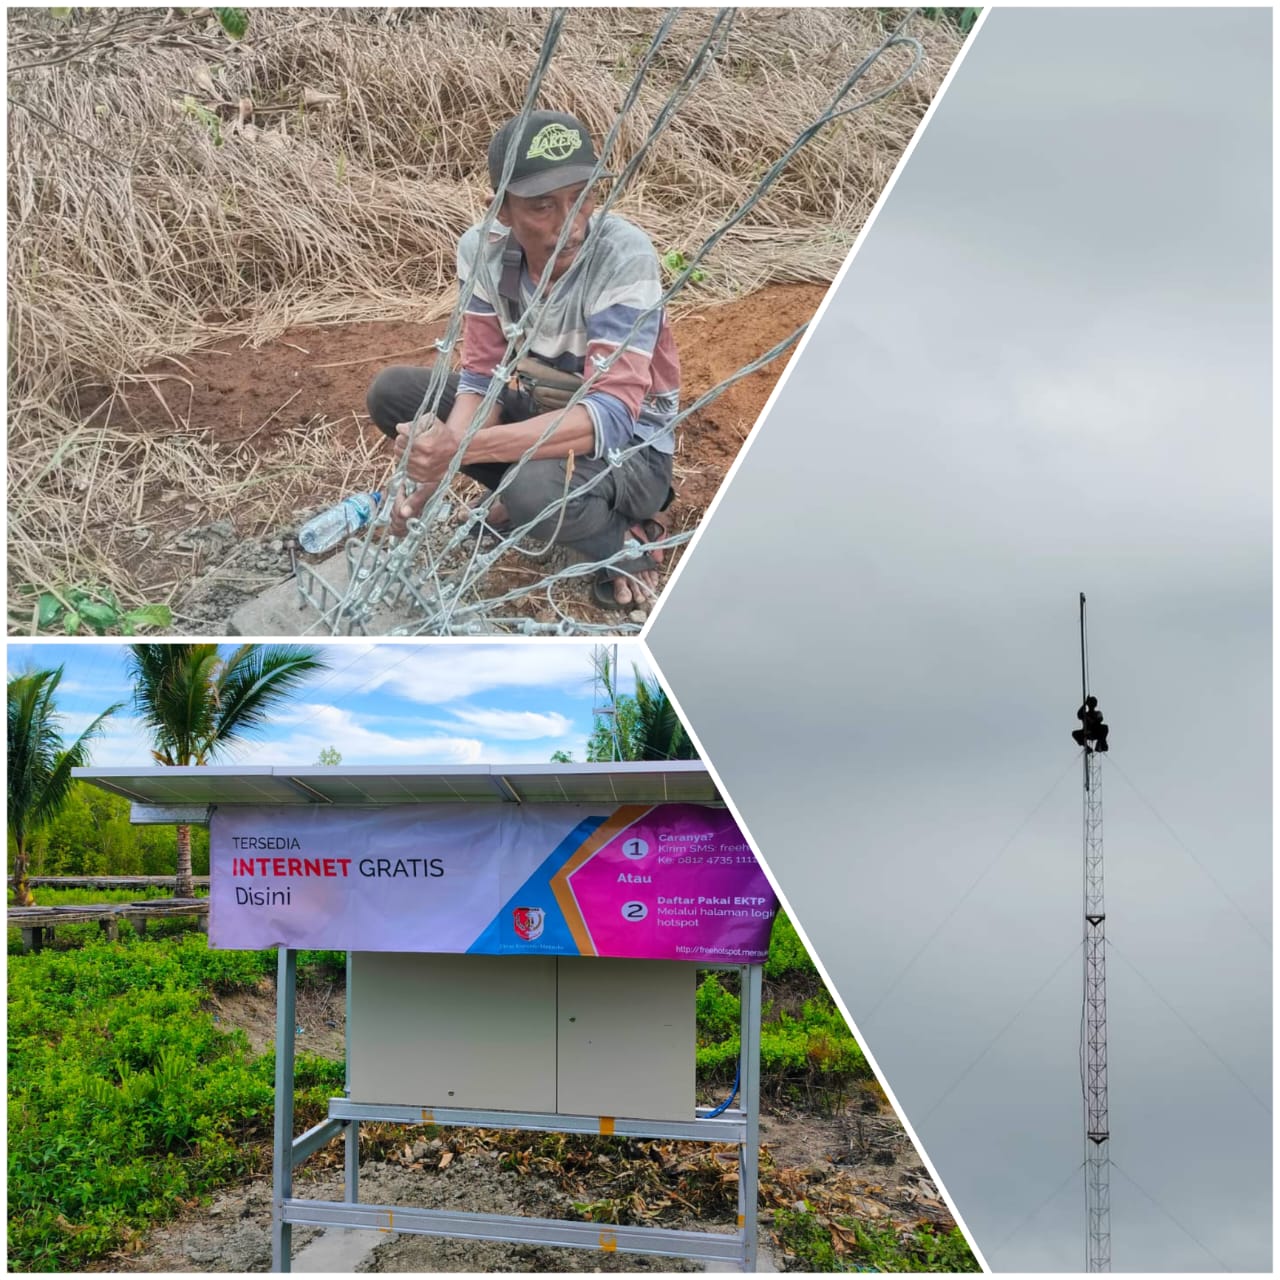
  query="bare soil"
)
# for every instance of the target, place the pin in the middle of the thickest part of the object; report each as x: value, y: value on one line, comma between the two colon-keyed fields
x: 253, y: 403
x: 857, y: 1161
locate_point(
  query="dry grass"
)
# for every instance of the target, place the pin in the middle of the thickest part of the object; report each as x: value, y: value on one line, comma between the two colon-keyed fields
x: 135, y: 238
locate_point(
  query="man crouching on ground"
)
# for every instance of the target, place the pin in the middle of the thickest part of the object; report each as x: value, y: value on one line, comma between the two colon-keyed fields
x: 597, y: 298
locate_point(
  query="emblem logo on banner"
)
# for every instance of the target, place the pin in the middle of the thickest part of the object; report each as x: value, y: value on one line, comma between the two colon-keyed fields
x: 528, y: 922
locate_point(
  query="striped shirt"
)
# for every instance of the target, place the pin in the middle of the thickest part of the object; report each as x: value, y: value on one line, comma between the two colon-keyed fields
x: 591, y: 310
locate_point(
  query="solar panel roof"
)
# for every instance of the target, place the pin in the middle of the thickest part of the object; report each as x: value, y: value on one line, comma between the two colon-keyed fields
x: 638, y: 782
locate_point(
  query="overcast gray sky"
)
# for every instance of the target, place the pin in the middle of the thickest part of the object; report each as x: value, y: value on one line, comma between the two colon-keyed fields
x: 1047, y: 371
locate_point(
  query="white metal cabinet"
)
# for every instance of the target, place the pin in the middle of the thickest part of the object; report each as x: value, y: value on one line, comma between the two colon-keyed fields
x: 453, y: 1030
x: 626, y: 1038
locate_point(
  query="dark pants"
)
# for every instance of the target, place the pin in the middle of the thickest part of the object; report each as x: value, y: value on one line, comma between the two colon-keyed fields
x: 595, y: 523
x: 1097, y: 736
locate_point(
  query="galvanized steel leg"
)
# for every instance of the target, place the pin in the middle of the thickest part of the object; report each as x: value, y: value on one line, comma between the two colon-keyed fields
x: 351, y: 1188
x: 749, y: 1102
x: 282, y: 1151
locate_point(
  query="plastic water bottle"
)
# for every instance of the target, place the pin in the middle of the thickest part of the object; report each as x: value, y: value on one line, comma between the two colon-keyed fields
x: 330, y: 527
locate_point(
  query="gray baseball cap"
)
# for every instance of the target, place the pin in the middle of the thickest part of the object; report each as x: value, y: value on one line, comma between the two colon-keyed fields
x: 554, y: 150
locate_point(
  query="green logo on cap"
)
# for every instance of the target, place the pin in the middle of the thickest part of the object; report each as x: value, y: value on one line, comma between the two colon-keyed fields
x: 554, y: 142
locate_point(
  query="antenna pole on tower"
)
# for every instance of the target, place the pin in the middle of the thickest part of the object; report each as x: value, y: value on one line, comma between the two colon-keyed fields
x: 1094, y: 1050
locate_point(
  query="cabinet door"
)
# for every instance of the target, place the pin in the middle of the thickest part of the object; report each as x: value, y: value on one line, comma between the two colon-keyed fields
x: 626, y: 1038
x: 453, y: 1030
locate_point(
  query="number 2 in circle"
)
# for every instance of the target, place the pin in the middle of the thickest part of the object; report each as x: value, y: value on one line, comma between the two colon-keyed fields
x: 634, y: 911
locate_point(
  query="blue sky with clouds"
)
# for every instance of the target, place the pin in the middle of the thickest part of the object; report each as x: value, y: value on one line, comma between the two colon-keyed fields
x: 383, y: 703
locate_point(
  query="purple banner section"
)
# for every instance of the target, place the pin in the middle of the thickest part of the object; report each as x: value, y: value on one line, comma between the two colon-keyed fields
x: 671, y: 882
x: 677, y: 883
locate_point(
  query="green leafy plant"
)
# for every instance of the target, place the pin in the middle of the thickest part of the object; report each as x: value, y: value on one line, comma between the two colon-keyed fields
x: 839, y: 1243
x: 89, y: 608
x: 235, y: 22
x: 126, y: 1099
x: 676, y: 263
x: 807, y: 1053
x: 962, y: 19
x: 787, y: 954
x: 210, y: 120
x: 802, y: 1233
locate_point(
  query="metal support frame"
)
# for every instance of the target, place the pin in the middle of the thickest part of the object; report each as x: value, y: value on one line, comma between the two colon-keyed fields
x: 740, y: 1125
x: 282, y: 1155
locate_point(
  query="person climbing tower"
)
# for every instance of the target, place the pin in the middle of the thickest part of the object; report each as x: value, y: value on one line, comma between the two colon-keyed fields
x: 1092, y: 727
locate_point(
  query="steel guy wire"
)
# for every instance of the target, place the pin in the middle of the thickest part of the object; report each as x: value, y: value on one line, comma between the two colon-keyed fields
x: 1053, y: 1195
x: 1181, y: 1227
x: 521, y: 325
x: 603, y: 366
x: 964, y: 897
x: 1186, y: 848
x: 445, y: 346
x: 439, y: 368
x: 1204, y: 1044
x: 1022, y: 1008
x: 391, y: 576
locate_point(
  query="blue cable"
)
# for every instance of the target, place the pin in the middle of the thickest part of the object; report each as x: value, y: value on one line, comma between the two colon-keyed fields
x: 724, y: 1106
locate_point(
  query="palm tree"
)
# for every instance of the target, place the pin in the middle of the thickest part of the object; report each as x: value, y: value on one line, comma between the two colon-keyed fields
x: 39, y: 764
x: 198, y: 704
x: 641, y: 727
x: 659, y: 733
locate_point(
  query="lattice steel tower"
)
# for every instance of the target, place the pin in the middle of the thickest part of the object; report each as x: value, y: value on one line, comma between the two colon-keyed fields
x: 1093, y: 1048
x: 604, y: 667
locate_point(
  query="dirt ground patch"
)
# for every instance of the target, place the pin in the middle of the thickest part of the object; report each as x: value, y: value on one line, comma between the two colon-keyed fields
x: 265, y: 410
x: 455, y: 1171
x: 857, y: 1161
x: 320, y: 1017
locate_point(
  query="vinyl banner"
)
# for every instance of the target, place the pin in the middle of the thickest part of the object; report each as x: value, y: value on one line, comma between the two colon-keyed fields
x: 661, y: 882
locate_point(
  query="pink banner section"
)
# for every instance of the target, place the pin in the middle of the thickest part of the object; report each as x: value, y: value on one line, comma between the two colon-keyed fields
x: 665, y: 882
x: 676, y: 882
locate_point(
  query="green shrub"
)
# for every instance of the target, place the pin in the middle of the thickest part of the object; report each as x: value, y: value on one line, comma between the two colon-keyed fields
x: 125, y: 1098
x: 869, y: 1247
x: 814, y: 1048
x: 787, y: 954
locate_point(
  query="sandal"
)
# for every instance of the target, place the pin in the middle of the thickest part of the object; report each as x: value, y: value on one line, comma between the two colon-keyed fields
x: 602, y: 583
x: 654, y: 529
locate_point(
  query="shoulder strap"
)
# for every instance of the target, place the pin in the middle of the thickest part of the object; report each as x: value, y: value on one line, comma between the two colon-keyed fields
x: 509, y: 282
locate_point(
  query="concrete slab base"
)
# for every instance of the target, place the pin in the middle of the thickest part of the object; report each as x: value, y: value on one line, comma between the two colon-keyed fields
x: 337, y: 1250
x: 281, y: 611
